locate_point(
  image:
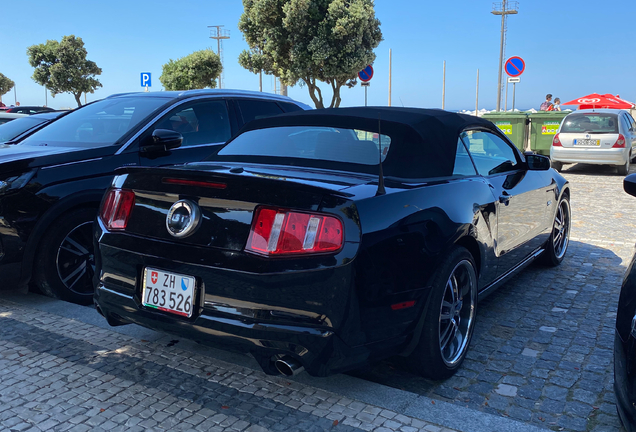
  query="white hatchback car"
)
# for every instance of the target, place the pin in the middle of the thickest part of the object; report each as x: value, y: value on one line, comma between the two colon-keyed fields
x: 595, y: 136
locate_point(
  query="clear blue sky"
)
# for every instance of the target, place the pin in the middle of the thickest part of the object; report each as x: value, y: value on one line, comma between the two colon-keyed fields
x: 571, y: 48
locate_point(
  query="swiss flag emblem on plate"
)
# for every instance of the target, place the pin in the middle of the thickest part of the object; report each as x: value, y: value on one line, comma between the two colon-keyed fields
x: 154, y: 276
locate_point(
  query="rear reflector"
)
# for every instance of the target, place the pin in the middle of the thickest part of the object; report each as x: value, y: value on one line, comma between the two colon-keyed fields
x: 284, y: 232
x: 403, y: 305
x: 620, y: 142
x: 116, y: 208
x: 185, y: 182
x: 556, y: 142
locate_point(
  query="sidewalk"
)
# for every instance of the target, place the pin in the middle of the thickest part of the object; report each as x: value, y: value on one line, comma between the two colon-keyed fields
x: 62, y: 373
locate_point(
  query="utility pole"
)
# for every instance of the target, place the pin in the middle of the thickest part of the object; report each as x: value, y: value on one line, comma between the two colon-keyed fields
x: 477, y: 96
x: 505, y: 8
x: 216, y: 32
x: 390, y: 53
x: 444, y: 86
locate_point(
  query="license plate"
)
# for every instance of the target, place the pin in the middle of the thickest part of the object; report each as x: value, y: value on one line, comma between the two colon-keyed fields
x: 587, y: 142
x: 169, y: 292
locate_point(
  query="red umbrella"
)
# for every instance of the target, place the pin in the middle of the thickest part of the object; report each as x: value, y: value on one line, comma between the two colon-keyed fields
x: 596, y: 100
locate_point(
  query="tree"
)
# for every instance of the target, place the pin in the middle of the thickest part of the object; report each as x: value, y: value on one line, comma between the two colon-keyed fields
x: 195, y: 71
x: 63, y: 68
x: 5, y: 85
x: 310, y: 41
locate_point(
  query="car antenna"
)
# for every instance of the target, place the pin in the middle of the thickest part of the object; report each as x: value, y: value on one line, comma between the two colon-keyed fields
x: 381, y: 190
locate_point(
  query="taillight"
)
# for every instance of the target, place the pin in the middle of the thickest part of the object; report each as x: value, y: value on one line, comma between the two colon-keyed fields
x: 284, y: 232
x: 620, y: 142
x: 116, y: 208
x: 556, y: 142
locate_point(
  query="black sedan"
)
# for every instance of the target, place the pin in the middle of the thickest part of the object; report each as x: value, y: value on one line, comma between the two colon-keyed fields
x: 20, y: 128
x: 326, y: 239
x: 51, y: 183
x: 625, y: 339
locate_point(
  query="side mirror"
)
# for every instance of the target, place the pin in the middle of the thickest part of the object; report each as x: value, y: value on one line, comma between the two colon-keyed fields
x: 629, y: 184
x: 537, y: 162
x: 162, y: 140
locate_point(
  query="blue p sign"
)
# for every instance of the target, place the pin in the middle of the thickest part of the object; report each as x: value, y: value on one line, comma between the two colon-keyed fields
x: 145, y: 79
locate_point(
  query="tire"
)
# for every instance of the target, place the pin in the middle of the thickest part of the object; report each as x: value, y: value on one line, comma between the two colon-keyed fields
x: 65, y: 263
x: 623, y: 169
x: 557, y: 244
x: 558, y: 166
x: 439, y: 353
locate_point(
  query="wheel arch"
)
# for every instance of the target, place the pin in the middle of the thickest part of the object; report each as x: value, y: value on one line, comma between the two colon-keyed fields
x: 77, y: 201
x: 470, y: 243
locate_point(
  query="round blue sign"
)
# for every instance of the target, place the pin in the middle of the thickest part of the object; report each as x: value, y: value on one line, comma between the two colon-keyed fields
x: 515, y: 66
x: 366, y: 74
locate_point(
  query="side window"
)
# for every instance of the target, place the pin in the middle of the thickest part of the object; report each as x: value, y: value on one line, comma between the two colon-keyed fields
x: 256, y: 109
x: 491, y: 154
x: 200, y: 122
x: 632, y: 123
x: 290, y: 107
x: 463, y: 164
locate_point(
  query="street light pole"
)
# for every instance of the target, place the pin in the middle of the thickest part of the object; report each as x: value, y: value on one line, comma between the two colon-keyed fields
x: 504, y: 9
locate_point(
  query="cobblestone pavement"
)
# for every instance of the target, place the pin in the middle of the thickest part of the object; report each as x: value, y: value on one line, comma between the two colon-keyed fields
x: 61, y: 374
x: 542, y: 350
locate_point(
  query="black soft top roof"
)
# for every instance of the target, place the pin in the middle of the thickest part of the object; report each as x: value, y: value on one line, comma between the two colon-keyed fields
x: 423, y: 141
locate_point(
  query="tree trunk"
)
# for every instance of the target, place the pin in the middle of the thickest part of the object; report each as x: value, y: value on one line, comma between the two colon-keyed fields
x: 335, y: 99
x: 313, y: 89
x: 78, y: 98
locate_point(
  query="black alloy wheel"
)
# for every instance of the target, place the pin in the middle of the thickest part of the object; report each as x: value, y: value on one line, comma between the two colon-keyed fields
x: 450, y: 317
x: 557, y: 244
x: 66, y: 262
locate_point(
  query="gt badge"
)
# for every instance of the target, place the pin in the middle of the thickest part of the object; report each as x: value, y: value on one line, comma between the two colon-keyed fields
x: 183, y: 218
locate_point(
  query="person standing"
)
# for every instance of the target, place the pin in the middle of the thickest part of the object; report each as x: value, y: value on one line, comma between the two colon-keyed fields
x: 545, y: 106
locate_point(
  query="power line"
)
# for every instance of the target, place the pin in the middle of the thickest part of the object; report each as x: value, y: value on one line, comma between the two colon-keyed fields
x: 218, y: 33
x: 505, y: 8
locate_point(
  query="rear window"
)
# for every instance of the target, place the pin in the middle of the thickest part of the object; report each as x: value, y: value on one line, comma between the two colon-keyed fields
x: 351, y: 146
x: 590, y: 123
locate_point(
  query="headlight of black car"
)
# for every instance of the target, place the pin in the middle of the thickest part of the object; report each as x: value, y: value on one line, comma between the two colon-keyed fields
x: 15, y: 182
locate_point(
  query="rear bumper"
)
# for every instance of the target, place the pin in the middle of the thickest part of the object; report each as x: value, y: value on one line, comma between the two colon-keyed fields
x: 319, y: 350
x: 589, y: 155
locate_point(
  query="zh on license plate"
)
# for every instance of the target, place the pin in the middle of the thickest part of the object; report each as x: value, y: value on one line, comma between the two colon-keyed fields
x: 170, y: 292
x: 587, y: 142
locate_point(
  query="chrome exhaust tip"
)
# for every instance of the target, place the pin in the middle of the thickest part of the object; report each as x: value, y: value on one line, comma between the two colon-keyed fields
x: 288, y: 366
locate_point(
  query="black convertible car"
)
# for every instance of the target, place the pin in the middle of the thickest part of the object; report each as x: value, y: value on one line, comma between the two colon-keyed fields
x: 326, y: 239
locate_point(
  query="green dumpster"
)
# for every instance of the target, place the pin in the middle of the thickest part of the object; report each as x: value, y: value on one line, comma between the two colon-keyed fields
x: 512, y: 124
x: 543, y: 127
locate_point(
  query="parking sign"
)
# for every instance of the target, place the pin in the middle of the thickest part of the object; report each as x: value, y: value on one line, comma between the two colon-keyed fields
x: 145, y: 79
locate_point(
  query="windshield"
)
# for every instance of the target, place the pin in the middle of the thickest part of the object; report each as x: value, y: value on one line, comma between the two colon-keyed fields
x: 99, y: 124
x: 309, y: 142
x: 590, y: 123
x: 12, y: 129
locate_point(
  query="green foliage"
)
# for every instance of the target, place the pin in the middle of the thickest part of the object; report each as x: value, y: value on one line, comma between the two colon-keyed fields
x: 195, y: 71
x: 5, y: 85
x: 63, y: 68
x: 309, y: 41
